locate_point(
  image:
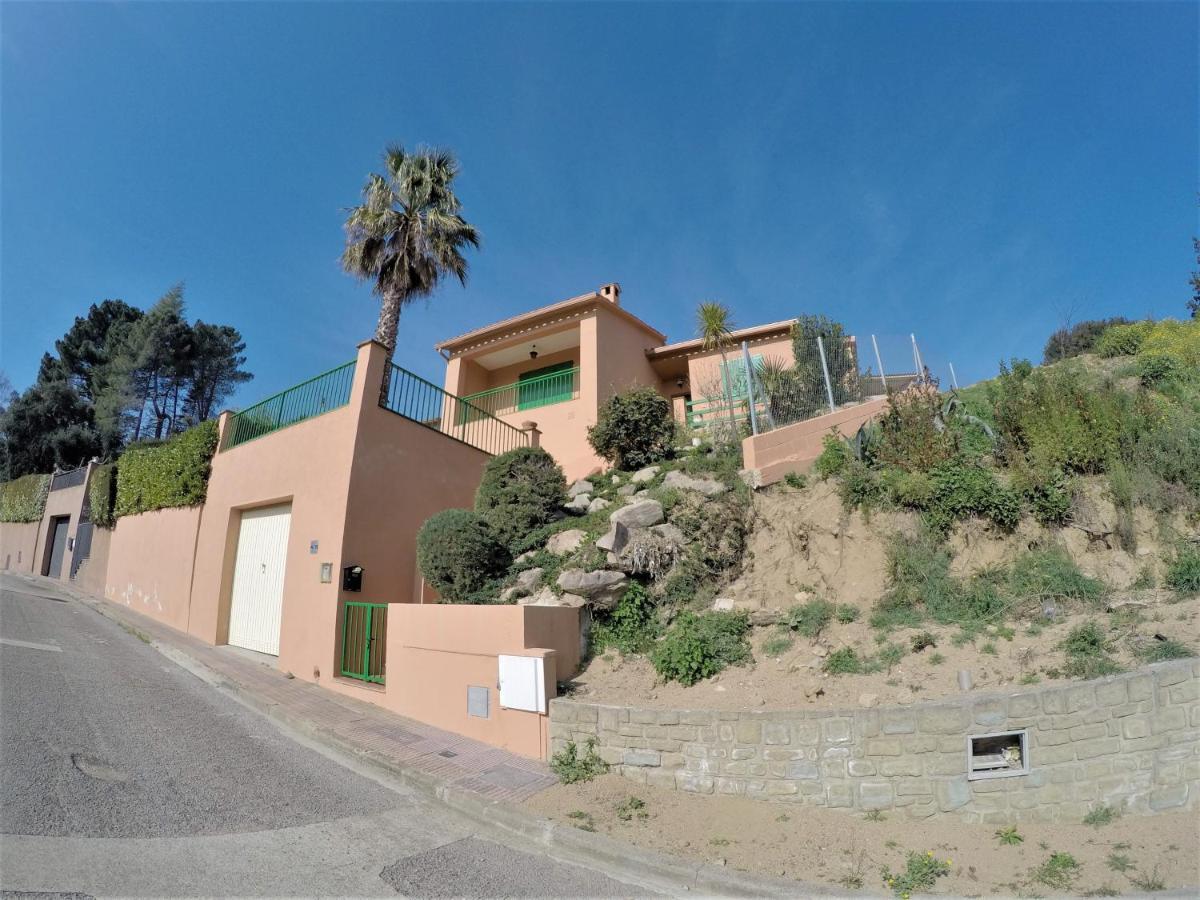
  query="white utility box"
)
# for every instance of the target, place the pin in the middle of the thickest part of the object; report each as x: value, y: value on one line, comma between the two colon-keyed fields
x: 523, y: 683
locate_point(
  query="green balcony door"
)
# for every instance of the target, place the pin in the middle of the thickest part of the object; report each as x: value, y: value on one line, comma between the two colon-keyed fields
x: 542, y: 387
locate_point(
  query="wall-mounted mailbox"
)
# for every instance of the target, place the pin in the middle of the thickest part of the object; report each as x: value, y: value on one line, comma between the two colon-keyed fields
x: 352, y: 578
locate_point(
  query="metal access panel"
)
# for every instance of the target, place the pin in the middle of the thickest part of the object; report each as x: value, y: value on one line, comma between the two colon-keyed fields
x: 478, y: 701
x: 523, y: 683
x: 256, y: 604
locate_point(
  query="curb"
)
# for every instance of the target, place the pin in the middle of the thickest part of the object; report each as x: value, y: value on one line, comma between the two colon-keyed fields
x: 646, y: 868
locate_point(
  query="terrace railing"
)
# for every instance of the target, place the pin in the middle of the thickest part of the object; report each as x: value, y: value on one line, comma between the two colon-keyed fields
x: 427, y: 404
x: 306, y: 400
x: 528, y: 393
x: 73, y: 478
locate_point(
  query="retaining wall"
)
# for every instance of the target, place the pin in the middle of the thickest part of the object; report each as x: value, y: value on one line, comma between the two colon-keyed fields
x: 18, y: 541
x: 1130, y: 740
x: 150, y: 559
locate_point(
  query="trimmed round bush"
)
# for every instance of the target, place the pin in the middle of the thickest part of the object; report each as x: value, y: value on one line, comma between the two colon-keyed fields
x: 459, y: 554
x: 521, y: 490
x: 634, y: 429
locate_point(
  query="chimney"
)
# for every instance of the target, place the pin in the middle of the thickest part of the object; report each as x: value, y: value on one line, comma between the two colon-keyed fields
x: 611, y: 293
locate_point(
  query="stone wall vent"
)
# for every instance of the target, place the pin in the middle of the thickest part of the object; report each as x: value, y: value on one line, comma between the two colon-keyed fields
x: 998, y: 755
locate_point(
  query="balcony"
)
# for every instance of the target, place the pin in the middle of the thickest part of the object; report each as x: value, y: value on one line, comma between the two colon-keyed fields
x: 539, y: 388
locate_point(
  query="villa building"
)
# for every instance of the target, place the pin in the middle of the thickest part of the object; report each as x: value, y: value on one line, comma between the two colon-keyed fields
x: 556, y: 365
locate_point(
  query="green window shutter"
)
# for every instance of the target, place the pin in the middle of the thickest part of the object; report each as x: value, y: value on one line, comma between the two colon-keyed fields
x: 541, y: 387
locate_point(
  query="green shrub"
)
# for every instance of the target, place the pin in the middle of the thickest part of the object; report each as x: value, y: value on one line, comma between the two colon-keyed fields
x: 859, y: 487
x: 920, y: 874
x: 1087, y: 651
x: 167, y: 474
x: 1183, y: 571
x: 912, y: 489
x: 24, y: 499
x: 700, y: 646
x: 913, y: 436
x: 102, y: 495
x: 520, y: 490
x: 843, y: 661
x: 1048, y: 493
x: 716, y: 530
x: 1050, y: 574
x: 777, y: 645
x: 1175, y: 340
x: 634, y: 429
x: 1060, y: 418
x: 846, y: 613
x: 962, y: 489
x: 1123, y: 340
x: 1099, y: 816
x: 459, y: 554
x: 922, y: 641
x: 917, y: 570
x: 1155, y: 369
x: 795, y: 480
x: 835, y: 456
x: 808, y: 618
x: 1058, y: 872
x: 1079, y: 338
x: 631, y: 626
x: 571, y: 768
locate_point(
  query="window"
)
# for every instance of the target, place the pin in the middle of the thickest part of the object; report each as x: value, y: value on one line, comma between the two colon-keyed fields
x: 999, y: 755
x: 541, y: 387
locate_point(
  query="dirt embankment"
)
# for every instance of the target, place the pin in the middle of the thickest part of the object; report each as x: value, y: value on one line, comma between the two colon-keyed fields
x: 804, y: 544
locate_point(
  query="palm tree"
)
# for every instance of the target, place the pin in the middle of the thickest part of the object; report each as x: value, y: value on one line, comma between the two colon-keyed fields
x: 714, y: 325
x: 406, y: 235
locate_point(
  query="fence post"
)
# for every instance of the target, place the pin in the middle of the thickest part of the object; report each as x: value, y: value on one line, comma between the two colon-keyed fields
x: 879, y: 360
x: 953, y: 377
x: 749, y: 386
x: 532, y: 435
x: 825, y: 372
x: 917, y: 360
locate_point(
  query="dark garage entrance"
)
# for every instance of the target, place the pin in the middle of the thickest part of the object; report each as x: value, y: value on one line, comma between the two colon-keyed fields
x: 58, y: 545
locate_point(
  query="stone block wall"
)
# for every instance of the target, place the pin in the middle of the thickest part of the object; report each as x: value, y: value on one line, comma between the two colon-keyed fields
x: 1131, y: 741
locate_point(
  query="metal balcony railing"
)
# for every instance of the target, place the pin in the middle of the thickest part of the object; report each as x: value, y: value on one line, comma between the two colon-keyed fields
x: 318, y: 395
x: 528, y: 393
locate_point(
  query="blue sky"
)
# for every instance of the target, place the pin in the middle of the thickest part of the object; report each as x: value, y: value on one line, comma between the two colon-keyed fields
x: 970, y: 172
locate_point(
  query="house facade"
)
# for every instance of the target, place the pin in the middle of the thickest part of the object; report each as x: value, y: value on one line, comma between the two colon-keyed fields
x: 554, y: 367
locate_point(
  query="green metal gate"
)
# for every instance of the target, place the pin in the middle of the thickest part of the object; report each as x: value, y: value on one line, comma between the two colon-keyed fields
x: 364, y: 641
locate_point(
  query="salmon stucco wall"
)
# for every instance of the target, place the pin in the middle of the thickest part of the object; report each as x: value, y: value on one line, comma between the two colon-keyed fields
x: 150, y: 563
x: 435, y: 653
x: 17, y: 545
x: 93, y: 571
x: 794, y: 448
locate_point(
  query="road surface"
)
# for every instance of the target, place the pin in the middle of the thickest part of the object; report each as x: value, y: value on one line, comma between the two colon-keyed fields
x: 123, y: 774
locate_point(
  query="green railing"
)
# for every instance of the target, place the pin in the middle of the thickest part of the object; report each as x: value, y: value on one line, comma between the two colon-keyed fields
x: 709, y: 409
x: 318, y: 395
x: 364, y: 641
x: 427, y: 404
x: 528, y: 393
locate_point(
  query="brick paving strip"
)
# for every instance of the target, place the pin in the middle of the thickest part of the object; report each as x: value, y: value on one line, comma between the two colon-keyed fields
x: 483, y: 782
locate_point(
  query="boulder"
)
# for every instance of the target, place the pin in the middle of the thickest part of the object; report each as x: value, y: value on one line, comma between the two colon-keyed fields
x: 709, y: 487
x: 565, y: 541
x: 640, y: 514
x: 627, y: 490
x: 598, y: 504
x: 723, y: 604
x: 615, y: 540
x: 602, y: 589
x: 579, y: 503
x: 670, y: 534
x: 528, y: 554
x: 583, y: 486
x: 641, y: 476
x: 547, y: 597
x: 525, y: 583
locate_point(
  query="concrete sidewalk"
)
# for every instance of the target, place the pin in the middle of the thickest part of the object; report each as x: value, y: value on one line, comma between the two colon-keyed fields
x: 484, y: 783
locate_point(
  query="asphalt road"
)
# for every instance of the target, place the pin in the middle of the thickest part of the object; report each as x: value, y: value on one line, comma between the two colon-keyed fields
x: 121, y: 774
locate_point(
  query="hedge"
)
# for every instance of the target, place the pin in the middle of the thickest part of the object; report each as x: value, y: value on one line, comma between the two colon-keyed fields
x: 102, y: 495
x: 24, y: 499
x: 169, y: 474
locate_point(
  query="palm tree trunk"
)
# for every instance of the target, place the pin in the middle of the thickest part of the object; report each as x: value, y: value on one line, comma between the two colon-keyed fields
x: 385, y: 332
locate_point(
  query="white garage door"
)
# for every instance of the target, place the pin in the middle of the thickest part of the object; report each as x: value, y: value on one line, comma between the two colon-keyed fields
x: 257, y: 603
